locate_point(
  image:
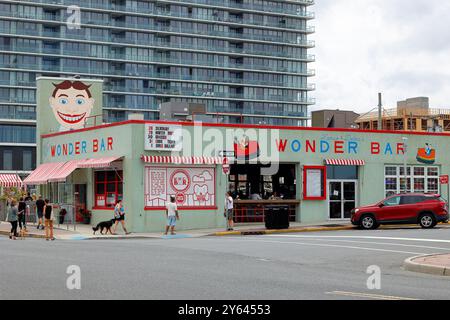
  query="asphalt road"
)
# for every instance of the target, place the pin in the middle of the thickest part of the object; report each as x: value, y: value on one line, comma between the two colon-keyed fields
x: 322, y: 265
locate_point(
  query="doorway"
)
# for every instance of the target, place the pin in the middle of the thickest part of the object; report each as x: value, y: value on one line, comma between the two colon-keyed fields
x: 342, y: 198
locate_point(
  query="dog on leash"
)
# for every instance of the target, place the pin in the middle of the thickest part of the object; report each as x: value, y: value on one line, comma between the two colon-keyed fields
x: 104, y: 225
x: 22, y: 233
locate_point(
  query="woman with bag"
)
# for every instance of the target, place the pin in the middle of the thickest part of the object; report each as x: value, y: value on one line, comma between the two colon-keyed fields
x: 119, y: 215
x: 48, y: 215
x: 22, y: 215
x: 12, y: 218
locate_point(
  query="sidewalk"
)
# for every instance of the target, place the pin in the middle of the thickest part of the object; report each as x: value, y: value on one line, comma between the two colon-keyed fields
x: 437, y: 264
x: 84, y: 232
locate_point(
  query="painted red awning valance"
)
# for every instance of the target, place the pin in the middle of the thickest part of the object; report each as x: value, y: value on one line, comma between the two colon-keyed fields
x: 182, y: 160
x: 98, y: 162
x: 64, y: 171
x: 345, y: 162
x: 10, y: 180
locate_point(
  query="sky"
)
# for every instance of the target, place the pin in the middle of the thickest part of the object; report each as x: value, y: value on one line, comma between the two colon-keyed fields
x: 398, y: 47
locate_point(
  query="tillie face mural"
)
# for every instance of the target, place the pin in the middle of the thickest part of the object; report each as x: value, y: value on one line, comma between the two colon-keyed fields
x: 245, y: 149
x: 426, y: 155
x: 72, y: 104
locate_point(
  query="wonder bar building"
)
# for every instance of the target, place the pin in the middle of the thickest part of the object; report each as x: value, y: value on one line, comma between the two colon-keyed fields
x: 319, y: 174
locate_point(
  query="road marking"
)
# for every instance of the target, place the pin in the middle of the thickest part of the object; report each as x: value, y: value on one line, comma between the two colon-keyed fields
x: 334, y: 245
x: 360, y: 237
x: 368, y: 295
x: 383, y: 243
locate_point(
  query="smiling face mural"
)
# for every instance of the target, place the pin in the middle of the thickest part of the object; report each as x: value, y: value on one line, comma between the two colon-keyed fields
x: 65, y: 104
x: 72, y: 104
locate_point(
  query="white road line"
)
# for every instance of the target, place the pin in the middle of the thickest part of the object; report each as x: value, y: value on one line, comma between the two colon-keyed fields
x: 368, y: 295
x: 382, y: 243
x: 359, y: 237
x: 335, y: 246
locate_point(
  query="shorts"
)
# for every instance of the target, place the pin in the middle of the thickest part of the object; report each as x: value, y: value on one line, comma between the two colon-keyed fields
x: 40, y: 214
x: 230, y: 215
x: 121, y: 218
x: 171, y: 221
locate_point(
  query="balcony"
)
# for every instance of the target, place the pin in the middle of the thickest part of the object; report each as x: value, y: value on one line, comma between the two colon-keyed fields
x: 158, y: 44
x: 174, y: 30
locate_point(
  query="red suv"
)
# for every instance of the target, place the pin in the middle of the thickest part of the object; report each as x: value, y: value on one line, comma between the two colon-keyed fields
x: 417, y: 208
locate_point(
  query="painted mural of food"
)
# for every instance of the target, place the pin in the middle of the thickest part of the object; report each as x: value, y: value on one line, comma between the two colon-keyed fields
x: 72, y: 104
x: 426, y: 155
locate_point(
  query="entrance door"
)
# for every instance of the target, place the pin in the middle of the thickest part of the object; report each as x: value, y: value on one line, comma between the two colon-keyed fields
x: 80, y: 201
x: 342, y: 198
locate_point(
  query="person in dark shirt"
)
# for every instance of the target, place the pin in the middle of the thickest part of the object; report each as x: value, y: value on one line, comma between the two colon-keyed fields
x: 22, y: 215
x: 48, y: 220
x: 40, y: 204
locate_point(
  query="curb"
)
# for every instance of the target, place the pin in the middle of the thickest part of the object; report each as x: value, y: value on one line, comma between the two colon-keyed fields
x: 28, y: 235
x: 293, y: 230
x: 410, y: 265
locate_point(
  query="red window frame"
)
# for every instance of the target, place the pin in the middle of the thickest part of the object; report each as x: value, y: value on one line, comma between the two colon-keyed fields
x: 324, y: 182
x: 118, y: 180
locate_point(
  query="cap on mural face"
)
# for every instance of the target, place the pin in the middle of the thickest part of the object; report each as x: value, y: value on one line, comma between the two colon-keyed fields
x: 71, y: 103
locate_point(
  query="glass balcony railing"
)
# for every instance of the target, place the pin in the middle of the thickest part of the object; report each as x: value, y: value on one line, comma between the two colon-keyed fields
x: 157, y: 44
x: 181, y: 91
x: 152, y: 75
x: 157, y: 60
x: 177, y: 30
x: 253, y: 111
x: 219, y: 4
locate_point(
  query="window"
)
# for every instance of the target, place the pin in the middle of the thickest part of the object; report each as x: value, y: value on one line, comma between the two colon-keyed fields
x: 419, y: 179
x: 108, y: 188
x: 394, y: 201
x: 7, y: 160
x: 342, y: 172
x: 27, y: 160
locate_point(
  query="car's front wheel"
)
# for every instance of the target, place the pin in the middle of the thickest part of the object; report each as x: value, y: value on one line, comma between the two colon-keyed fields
x: 368, y: 222
x: 427, y: 221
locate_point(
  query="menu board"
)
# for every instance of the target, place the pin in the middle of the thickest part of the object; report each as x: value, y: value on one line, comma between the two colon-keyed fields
x: 314, y: 188
x: 162, y: 137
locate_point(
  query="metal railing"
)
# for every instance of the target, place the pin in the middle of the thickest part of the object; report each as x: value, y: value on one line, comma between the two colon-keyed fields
x: 247, y: 213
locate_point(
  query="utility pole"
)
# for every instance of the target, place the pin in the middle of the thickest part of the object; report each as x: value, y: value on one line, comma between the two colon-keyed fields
x: 380, y: 105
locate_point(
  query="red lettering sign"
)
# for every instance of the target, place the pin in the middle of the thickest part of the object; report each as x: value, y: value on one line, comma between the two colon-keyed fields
x: 339, y: 147
x: 375, y: 148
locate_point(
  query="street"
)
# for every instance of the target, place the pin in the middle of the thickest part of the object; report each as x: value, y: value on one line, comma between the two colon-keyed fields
x: 319, y: 265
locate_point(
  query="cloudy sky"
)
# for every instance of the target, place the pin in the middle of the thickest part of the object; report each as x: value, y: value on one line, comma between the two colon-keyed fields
x: 398, y: 47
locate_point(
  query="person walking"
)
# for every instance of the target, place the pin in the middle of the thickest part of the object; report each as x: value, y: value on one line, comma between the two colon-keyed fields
x: 171, y: 215
x: 40, y: 204
x: 48, y: 216
x: 22, y: 215
x: 228, y: 211
x: 12, y: 218
x: 119, y: 215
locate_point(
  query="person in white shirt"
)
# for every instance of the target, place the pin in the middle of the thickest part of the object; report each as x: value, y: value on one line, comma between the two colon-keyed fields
x: 172, y: 215
x: 228, y: 210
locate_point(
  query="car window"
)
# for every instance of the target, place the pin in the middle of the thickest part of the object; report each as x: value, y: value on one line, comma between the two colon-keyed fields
x: 394, y: 201
x: 412, y: 199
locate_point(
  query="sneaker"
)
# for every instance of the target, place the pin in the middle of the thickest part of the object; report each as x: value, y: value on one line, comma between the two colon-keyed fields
x: 53, y: 239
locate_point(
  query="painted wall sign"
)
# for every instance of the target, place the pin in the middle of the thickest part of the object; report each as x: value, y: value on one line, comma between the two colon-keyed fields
x: 65, y: 104
x: 78, y: 147
x: 426, y: 155
x: 191, y: 187
x: 160, y: 137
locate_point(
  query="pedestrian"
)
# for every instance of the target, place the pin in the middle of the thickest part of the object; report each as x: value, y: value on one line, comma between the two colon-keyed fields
x: 40, y: 204
x: 28, y: 197
x: 171, y: 215
x: 12, y: 218
x: 119, y: 215
x: 228, y: 211
x: 22, y: 215
x: 48, y: 215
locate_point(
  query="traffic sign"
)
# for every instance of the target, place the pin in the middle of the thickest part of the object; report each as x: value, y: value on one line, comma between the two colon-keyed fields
x: 225, y: 166
x: 444, y: 179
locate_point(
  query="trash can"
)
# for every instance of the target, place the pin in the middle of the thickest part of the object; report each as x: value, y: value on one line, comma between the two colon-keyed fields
x: 277, y: 217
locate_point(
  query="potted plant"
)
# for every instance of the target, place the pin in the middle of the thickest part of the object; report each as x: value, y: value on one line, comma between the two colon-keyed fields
x: 86, y: 214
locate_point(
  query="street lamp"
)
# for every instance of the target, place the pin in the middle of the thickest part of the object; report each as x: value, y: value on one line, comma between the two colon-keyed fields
x: 405, y: 174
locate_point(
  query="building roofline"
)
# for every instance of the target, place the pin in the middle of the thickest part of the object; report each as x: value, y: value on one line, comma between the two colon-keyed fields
x: 246, y: 126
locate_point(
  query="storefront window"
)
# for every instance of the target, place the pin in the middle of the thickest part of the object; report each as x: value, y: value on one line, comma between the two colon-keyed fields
x: 108, y: 188
x: 422, y: 179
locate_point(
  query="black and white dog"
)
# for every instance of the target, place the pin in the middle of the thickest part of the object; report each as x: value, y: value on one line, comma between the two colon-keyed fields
x: 104, y: 225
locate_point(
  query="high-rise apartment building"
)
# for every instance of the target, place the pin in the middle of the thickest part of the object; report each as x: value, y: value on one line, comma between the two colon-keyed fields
x: 245, y: 60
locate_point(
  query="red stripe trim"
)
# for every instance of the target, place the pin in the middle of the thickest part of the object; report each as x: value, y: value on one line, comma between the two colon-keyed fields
x: 182, y: 159
x: 345, y: 162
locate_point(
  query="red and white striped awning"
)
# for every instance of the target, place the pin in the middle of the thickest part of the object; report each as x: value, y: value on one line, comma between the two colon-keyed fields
x: 64, y: 171
x: 345, y: 162
x: 10, y: 180
x: 98, y: 163
x: 42, y: 173
x: 182, y: 160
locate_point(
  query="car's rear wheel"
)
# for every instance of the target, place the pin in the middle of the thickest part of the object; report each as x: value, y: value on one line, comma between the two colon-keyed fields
x: 368, y: 222
x: 427, y: 221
